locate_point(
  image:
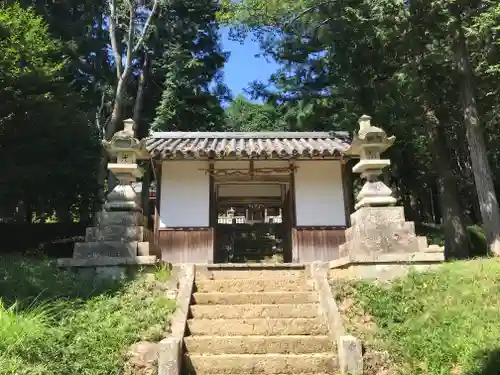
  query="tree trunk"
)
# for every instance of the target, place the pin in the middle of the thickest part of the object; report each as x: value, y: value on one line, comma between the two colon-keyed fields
x: 142, y: 127
x: 487, y: 198
x: 119, y: 102
x: 455, y: 230
x: 114, y: 125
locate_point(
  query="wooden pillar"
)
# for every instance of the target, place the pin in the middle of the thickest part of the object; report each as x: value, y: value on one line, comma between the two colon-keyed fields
x: 212, y: 203
x: 158, y: 171
x: 213, y: 218
x: 292, y: 195
x: 146, y: 182
x: 348, y: 188
x: 293, y: 215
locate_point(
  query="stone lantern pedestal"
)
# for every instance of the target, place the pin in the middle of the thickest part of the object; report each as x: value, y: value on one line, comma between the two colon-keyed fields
x: 377, y: 226
x: 121, y: 239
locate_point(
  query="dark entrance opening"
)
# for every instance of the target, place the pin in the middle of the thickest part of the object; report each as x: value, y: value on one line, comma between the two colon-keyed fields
x: 252, y: 232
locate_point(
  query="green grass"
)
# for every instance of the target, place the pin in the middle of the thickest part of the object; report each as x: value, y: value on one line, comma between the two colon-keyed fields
x: 54, y: 322
x: 441, y: 323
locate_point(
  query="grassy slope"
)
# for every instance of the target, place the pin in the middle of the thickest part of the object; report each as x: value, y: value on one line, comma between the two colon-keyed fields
x: 52, y: 322
x: 447, y: 322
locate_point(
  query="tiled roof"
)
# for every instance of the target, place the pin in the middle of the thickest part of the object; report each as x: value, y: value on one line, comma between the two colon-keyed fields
x: 199, y: 145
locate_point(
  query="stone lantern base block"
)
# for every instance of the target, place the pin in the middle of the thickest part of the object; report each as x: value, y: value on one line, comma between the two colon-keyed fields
x: 105, y: 218
x: 115, y: 233
x: 122, y: 206
x: 381, y: 230
x: 110, y: 268
x: 119, y: 243
x: 375, y: 201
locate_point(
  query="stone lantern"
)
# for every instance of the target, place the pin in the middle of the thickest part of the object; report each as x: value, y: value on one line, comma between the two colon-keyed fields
x: 369, y: 143
x: 121, y: 240
x: 126, y: 149
x: 378, y: 225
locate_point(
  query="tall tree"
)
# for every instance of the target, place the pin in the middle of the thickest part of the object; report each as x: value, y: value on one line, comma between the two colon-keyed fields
x: 488, y: 202
x: 189, y: 63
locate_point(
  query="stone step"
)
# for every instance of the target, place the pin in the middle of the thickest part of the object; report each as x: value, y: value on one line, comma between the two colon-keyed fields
x: 298, y: 344
x: 106, y: 249
x: 261, y: 364
x: 335, y: 373
x: 305, y: 310
x: 257, y: 326
x: 254, y: 274
x: 105, y: 218
x: 273, y: 298
x: 115, y: 233
x: 254, y: 285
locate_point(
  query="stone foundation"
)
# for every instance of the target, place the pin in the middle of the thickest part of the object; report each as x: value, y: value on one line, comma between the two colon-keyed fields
x: 376, y: 230
x: 115, y: 249
x: 113, y: 268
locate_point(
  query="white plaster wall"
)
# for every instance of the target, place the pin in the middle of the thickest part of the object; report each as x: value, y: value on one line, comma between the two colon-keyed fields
x: 232, y: 164
x: 249, y: 190
x: 271, y: 163
x: 185, y: 194
x: 319, y: 197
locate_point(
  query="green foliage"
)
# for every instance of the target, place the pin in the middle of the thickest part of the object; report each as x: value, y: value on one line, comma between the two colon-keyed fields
x: 440, y: 323
x: 44, y: 132
x: 243, y: 115
x: 256, y: 13
x: 65, y: 324
x: 487, y: 24
x: 28, y: 49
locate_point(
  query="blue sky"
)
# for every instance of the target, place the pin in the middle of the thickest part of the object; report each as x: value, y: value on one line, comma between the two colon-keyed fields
x: 243, y: 67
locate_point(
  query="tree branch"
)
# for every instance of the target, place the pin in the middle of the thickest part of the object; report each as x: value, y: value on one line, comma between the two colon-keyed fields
x: 130, y: 36
x: 112, y: 37
x: 98, y: 115
x: 305, y: 11
x: 140, y: 41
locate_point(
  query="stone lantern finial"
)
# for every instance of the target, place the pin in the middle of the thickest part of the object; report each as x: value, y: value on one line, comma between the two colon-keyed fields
x: 129, y: 127
x: 364, y: 123
x: 369, y: 143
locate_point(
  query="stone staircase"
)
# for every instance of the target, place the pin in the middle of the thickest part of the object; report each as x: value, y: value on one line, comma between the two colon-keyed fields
x: 256, y: 321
